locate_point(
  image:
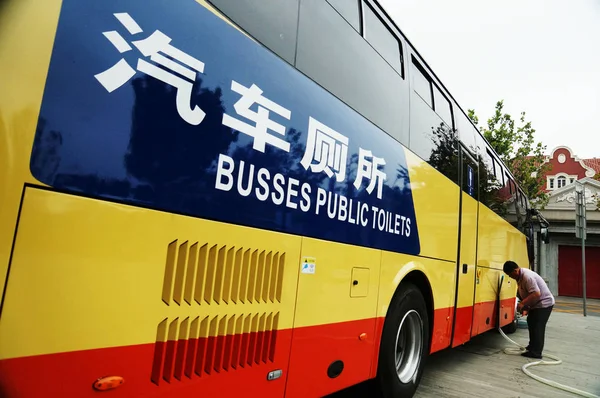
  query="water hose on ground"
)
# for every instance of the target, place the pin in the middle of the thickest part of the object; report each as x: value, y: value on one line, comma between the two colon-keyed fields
x: 556, y: 360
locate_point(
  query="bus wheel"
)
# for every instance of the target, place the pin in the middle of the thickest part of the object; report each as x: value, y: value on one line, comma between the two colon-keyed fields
x: 512, y: 327
x: 404, y: 343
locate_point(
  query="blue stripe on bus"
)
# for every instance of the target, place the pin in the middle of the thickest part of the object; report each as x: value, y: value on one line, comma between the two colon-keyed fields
x: 168, y: 106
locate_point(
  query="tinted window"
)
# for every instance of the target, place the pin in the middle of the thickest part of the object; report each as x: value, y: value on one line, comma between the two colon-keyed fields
x: 432, y: 139
x: 470, y: 180
x: 511, y: 184
x: 500, y: 174
x: 442, y: 106
x: 331, y: 53
x: 274, y: 23
x: 382, y: 39
x: 466, y: 132
x: 490, y: 187
x: 521, y: 205
x: 481, y: 149
x: 497, y: 169
x: 349, y: 9
x: 421, y: 85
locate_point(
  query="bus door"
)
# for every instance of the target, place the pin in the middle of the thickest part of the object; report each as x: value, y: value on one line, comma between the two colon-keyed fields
x: 465, y: 281
x: 335, y: 320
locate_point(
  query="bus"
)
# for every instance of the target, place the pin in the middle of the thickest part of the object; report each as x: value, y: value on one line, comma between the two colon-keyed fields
x: 238, y: 198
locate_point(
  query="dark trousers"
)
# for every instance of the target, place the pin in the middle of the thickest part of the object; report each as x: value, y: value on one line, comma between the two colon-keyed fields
x: 536, y: 323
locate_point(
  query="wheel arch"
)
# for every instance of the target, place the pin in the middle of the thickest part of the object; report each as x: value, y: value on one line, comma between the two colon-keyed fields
x: 420, y: 280
x: 417, y: 279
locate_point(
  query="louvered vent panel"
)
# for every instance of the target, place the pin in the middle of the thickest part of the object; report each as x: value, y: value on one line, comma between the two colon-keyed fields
x: 218, y: 274
x: 199, y: 347
x: 203, y: 273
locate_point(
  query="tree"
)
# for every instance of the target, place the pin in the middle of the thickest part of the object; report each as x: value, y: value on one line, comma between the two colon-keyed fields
x: 597, y: 195
x: 515, y: 145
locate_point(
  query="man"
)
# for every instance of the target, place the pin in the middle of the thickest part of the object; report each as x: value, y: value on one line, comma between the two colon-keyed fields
x: 537, y: 299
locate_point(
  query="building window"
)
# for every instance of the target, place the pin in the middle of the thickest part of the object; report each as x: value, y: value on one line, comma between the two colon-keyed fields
x: 561, y: 182
x: 572, y: 180
x: 551, y: 183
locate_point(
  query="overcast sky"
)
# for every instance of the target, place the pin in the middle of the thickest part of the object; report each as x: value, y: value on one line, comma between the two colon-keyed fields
x: 540, y: 56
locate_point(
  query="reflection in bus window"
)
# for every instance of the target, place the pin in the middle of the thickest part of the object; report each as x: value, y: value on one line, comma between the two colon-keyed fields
x: 432, y: 139
x: 490, y: 187
x: 467, y: 133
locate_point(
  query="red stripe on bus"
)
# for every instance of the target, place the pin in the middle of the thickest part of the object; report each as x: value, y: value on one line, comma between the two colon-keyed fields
x: 316, y: 348
x: 488, y: 310
x: 442, y: 328
x: 71, y: 374
x: 462, y: 328
x: 149, y: 369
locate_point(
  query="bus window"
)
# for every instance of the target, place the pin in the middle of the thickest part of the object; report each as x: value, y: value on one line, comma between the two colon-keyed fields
x: 332, y: 53
x: 493, y: 165
x: 349, y: 10
x: 430, y: 137
x: 421, y: 84
x: 500, y: 175
x: 509, y: 183
x: 256, y: 17
x: 442, y: 106
x: 466, y: 132
x: 382, y: 39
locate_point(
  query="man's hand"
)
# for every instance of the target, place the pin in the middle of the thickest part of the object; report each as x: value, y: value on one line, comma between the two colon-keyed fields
x: 533, y: 297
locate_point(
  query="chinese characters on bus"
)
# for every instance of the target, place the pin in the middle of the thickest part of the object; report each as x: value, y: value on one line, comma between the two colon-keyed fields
x: 152, y: 46
x: 326, y: 149
x: 259, y: 132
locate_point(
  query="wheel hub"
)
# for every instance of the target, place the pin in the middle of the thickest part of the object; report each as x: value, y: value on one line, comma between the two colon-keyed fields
x: 409, y: 344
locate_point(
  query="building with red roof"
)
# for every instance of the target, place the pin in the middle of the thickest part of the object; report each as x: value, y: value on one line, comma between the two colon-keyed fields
x: 566, y: 168
x: 560, y: 260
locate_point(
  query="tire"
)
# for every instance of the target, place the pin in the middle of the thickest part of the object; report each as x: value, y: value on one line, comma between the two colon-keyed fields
x: 513, y: 326
x: 407, y: 323
x: 510, y: 328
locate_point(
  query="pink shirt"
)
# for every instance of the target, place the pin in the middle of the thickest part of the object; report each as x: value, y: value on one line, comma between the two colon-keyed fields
x: 530, y: 282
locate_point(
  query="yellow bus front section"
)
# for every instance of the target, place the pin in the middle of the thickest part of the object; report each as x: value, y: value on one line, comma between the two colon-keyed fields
x: 27, y: 30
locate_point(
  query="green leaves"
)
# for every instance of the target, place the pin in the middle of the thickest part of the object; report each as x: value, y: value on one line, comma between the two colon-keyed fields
x: 515, y: 145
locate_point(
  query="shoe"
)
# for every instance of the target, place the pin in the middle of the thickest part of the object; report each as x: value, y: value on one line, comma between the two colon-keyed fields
x: 530, y: 354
